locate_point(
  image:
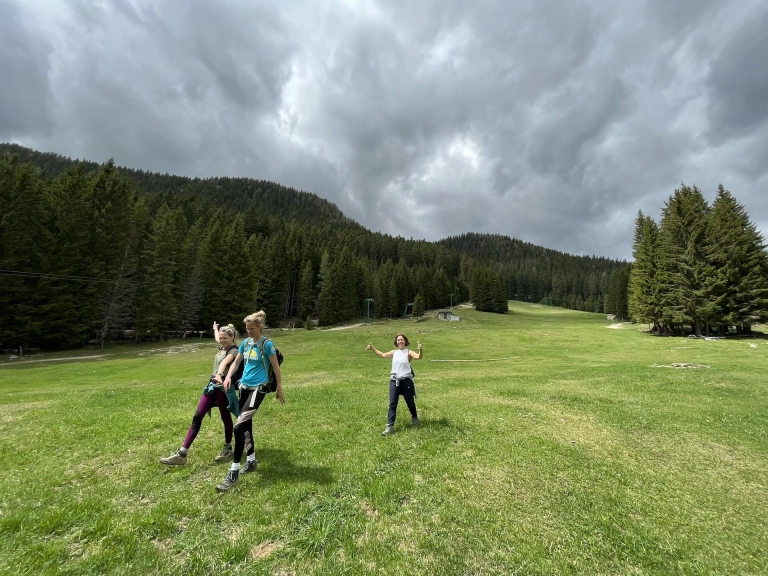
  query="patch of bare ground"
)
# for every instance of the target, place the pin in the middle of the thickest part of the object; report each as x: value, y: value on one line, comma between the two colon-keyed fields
x: 163, y: 546
x: 344, y: 327
x: 17, y: 362
x: 368, y: 510
x: 10, y: 415
x: 680, y: 365
x: 265, y: 550
x: 616, y: 325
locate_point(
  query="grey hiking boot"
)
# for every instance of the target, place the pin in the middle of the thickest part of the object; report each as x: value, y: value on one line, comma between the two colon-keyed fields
x: 415, y: 421
x: 250, y: 466
x: 225, y: 454
x: 175, y: 459
x: 388, y: 430
x: 229, y: 481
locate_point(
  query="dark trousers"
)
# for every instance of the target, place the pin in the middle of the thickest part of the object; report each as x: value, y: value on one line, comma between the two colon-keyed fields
x: 407, y: 390
x: 250, y: 400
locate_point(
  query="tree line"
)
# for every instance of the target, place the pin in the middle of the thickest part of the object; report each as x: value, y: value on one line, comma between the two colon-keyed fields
x: 89, y: 251
x: 533, y: 273
x: 86, y: 254
x: 702, y: 267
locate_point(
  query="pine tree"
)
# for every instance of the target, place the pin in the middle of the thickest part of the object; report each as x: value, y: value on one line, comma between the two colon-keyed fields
x: 24, y: 238
x: 157, y: 305
x: 418, y: 306
x: 735, y: 281
x: 306, y: 299
x: 683, y: 234
x: 643, y: 304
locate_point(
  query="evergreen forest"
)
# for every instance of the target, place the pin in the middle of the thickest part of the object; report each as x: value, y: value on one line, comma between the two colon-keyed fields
x: 92, y: 252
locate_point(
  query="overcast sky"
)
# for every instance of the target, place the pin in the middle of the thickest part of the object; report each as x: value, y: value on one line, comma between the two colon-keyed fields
x: 551, y: 121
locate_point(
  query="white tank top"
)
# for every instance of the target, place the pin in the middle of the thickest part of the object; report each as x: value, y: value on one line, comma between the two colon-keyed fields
x: 401, y: 368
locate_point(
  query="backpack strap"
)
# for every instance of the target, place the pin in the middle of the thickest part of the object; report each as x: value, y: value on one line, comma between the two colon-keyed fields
x: 263, y: 343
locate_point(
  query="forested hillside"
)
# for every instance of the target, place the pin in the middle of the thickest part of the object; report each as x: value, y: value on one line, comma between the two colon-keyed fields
x: 90, y: 251
x: 532, y: 273
x: 241, y: 194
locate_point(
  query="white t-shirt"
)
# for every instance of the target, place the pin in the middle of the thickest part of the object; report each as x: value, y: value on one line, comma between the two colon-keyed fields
x: 401, y: 367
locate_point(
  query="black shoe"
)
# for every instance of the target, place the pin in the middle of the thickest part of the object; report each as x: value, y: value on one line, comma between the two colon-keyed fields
x: 250, y: 466
x: 415, y: 421
x: 229, y: 481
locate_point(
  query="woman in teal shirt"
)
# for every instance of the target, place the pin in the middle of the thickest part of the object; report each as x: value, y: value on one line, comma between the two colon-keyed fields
x: 256, y: 351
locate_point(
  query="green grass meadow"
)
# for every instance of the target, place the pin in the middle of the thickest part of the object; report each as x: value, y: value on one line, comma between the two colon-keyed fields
x: 575, y: 452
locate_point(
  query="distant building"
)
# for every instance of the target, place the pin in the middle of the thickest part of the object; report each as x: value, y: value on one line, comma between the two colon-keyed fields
x: 447, y: 315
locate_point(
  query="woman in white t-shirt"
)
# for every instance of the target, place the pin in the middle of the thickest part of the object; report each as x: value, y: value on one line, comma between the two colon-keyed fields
x: 401, y: 380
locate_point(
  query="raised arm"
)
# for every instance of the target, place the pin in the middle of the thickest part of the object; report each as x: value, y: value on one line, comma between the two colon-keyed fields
x: 379, y: 353
x: 216, y: 331
x: 413, y: 355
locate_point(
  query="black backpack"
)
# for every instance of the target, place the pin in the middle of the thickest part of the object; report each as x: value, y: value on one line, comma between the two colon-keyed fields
x: 271, y: 385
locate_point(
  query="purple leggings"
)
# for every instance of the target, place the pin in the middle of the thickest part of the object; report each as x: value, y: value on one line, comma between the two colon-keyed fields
x: 218, y: 398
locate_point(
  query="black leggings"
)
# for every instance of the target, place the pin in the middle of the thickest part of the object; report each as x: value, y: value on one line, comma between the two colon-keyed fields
x: 250, y: 400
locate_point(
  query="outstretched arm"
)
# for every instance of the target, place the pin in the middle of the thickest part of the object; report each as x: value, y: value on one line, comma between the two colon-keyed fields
x: 379, y: 353
x: 414, y: 355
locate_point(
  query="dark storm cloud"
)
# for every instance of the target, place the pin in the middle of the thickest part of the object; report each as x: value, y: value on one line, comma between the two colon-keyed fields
x: 25, y: 106
x: 551, y: 121
x: 738, y: 82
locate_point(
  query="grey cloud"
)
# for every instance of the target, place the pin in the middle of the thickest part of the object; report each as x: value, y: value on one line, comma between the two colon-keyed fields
x: 552, y: 121
x: 25, y: 97
x: 738, y: 82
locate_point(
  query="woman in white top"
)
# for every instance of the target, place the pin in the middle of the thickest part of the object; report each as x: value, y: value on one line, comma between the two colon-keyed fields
x: 401, y: 379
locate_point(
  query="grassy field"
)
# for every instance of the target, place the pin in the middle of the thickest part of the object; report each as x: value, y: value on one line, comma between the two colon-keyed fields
x: 577, y: 453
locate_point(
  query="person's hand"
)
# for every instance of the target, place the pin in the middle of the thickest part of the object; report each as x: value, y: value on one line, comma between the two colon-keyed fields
x: 279, y: 394
x: 227, y: 383
x: 217, y: 379
x: 418, y: 345
x: 215, y: 327
x: 369, y: 347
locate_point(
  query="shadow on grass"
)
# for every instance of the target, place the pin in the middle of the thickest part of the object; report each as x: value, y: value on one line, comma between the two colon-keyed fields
x: 440, y: 423
x: 275, y: 466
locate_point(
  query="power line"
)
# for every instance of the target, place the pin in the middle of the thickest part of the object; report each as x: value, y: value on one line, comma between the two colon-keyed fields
x: 42, y: 275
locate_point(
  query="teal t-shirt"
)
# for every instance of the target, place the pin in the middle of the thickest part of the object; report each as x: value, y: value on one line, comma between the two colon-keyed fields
x: 253, y: 373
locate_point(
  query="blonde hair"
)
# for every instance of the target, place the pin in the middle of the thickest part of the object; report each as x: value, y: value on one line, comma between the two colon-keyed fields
x: 231, y: 330
x: 259, y: 318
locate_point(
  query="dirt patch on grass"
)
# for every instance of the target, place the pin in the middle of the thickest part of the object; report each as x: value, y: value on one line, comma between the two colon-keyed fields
x: 17, y: 362
x: 265, y: 550
x: 179, y: 349
x: 344, y: 327
x: 368, y: 510
x: 11, y: 413
x: 616, y: 325
x: 680, y: 365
